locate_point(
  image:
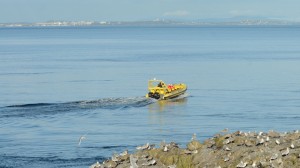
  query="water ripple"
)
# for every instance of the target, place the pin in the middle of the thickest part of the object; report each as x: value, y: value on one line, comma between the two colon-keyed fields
x: 25, y: 161
x: 31, y: 110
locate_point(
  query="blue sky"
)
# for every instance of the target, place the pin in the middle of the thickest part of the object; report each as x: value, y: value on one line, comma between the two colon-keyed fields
x: 136, y: 10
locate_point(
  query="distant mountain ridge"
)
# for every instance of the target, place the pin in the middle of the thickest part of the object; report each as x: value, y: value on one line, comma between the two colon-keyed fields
x: 202, y: 22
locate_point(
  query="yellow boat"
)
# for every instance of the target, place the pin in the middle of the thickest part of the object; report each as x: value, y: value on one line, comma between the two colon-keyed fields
x: 159, y: 90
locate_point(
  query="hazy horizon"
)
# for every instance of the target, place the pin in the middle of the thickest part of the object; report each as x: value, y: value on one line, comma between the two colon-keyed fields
x: 134, y: 10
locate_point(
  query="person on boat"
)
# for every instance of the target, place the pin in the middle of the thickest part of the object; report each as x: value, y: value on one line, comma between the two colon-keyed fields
x: 160, y: 84
x: 171, y: 87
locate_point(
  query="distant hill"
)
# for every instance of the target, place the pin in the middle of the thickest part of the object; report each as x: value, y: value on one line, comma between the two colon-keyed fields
x: 239, y: 21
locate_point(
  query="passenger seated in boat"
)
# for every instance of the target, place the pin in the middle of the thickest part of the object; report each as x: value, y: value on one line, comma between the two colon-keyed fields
x: 160, y: 84
x: 171, y: 87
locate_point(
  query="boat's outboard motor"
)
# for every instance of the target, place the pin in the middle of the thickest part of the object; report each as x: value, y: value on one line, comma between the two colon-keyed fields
x: 154, y: 95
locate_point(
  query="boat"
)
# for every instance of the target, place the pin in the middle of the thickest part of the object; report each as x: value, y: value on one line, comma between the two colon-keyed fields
x: 161, y: 91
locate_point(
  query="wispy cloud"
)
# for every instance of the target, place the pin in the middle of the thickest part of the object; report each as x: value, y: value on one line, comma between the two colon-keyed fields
x: 180, y: 13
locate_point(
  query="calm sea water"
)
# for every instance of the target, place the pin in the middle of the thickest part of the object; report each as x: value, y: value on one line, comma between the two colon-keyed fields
x: 57, y: 84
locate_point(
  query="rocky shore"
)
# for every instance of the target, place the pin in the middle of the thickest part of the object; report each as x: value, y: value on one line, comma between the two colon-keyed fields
x: 237, y: 150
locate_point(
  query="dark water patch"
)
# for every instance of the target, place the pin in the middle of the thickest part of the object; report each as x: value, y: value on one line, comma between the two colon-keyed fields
x: 103, y: 60
x: 223, y: 54
x: 80, y: 81
x: 32, y: 105
x: 295, y: 91
x: 25, y: 161
x: 32, y: 110
x: 109, y: 147
x: 93, y: 60
x: 25, y: 73
x: 222, y: 115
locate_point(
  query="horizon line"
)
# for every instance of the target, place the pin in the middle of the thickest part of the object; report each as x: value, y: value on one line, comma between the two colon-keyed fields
x: 162, y: 22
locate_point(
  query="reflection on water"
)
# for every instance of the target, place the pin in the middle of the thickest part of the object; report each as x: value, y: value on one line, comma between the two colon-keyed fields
x: 162, y: 105
x: 165, y: 115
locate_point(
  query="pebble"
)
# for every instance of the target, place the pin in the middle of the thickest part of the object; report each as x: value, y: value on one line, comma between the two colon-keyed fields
x: 242, y: 164
x: 285, y: 152
x: 216, y: 153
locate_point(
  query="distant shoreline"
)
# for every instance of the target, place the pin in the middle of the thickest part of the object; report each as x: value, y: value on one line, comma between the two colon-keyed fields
x: 244, y: 23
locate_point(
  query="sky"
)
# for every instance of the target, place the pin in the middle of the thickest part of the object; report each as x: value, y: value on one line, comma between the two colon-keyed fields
x: 140, y: 10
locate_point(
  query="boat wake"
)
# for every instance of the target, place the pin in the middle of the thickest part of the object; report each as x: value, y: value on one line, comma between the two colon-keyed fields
x: 111, y: 103
x: 24, y: 110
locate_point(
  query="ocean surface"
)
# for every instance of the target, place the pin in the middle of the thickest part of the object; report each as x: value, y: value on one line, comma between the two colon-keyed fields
x: 57, y: 84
